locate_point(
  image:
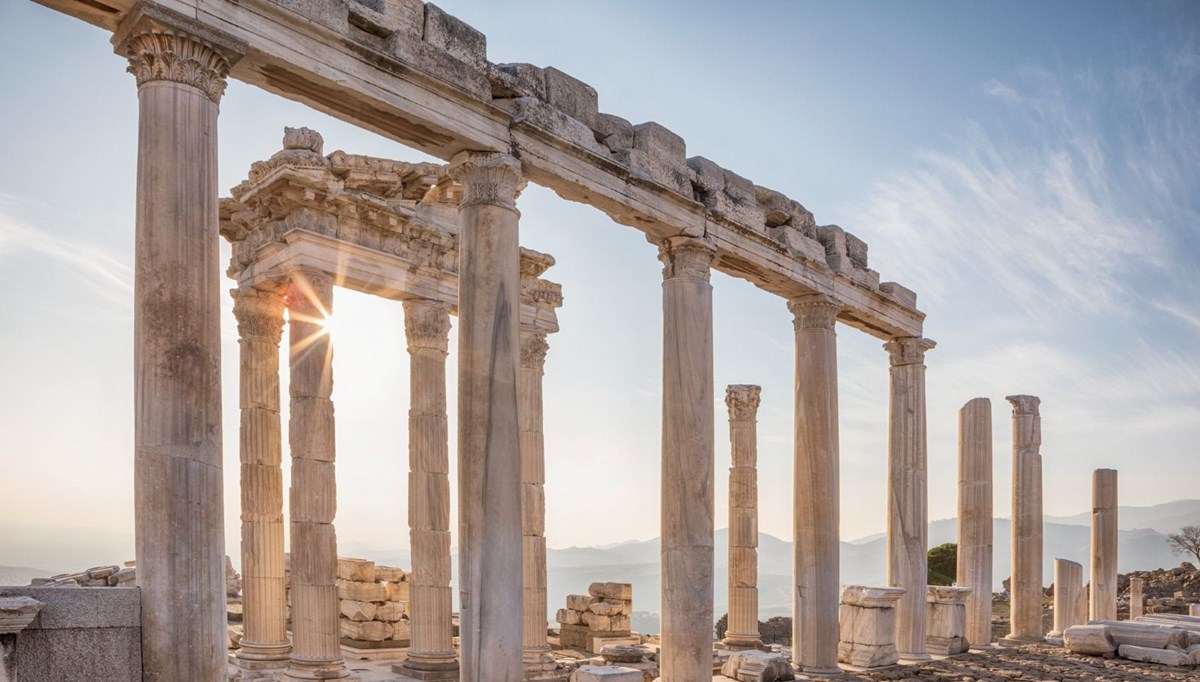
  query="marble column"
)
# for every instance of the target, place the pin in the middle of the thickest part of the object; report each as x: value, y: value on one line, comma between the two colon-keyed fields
x: 533, y: 499
x: 316, y: 650
x: 489, y: 457
x: 908, y: 503
x: 1137, y: 602
x: 431, y: 652
x: 1026, y: 572
x: 1103, y: 595
x: 178, y: 507
x: 816, y: 545
x: 265, y: 643
x: 1068, y: 589
x: 687, y: 462
x: 742, y: 632
x: 975, y: 517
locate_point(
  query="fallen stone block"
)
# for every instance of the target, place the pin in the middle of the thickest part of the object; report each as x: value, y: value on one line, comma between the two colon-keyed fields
x: 1172, y: 657
x: 1089, y: 640
x: 1144, y: 634
x: 620, y: 653
x: 757, y: 666
x: 606, y: 673
x: 357, y: 610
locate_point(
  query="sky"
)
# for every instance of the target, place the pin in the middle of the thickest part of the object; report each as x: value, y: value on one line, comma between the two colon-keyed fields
x: 1027, y: 168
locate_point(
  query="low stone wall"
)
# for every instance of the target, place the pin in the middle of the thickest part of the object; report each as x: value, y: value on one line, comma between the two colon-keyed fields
x: 81, y: 634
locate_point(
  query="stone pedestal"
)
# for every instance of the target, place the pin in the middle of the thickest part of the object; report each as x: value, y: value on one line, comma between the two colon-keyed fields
x: 431, y: 651
x: 316, y: 651
x: 536, y: 648
x: 1103, y: 593
x: 867, y: 626
x: 742, y: 633
x: 815, y: 480
x: 1137, y: 602
x: 1068, y: 591
x: 687, y: 462
x: 489, y: 456
x: 1027, y: 521
x: 264, y: 643
x: 947, y: 620
x: 975, y: 517
x: 908, y: 497
x: 178, y: 506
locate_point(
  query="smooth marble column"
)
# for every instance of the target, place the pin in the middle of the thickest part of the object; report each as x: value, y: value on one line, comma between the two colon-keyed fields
x: 316, y: 649
x: 1103, y: 595
x: 533, y: 498
x: 975, y: 517
x: 742, y: 632
x: 431, y: 651
x: 816, y: 546
x: 264, y: 642
x: 178, y: 507
x: 1068, y: 590
x: 687, y: 462
x: 1137, y: 601
x: 1026, y: 572
x: 489, y: 456
x: 908, y: 495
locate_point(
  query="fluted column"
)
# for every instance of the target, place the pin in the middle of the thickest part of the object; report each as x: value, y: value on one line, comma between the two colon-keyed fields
x: 264, y: 643
x: 816, y: 547
x: 489, y: 459
x: 316, y: 651
x: 908, y: 495
x: 1068, y: 589
x: 178, y: 507
x: 1137, y: 602
x: 431, y: 652
x: 1103, y: 595
x: 687, y: 462
x: 742, y: 632
x: 1027, y: 521
x: 533, y: 496
x: 975, y: 517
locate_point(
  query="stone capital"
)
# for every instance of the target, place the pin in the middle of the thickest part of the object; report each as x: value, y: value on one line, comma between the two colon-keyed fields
x: 813, y: 311
x: 686, y: 258
x: 427, y: 325
x: 259, y: 313
x: 487, y: 178
x: 533, y: 349
x: 310, y: 294
x: 908, y: 350
x: 162, y: 44
x: 1024, y: 404
x: 742, y: 401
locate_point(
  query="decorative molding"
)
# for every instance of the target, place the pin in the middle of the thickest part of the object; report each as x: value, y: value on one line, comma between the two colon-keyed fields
x: 259, y: 314
x: 908, y: 350
x: 163, y: 54
x: 1025, y: 404
x: 813, y: 311
x: 487, y: 178
x: 533, y: 350
x: 742, y: 401
x: 427, y: 325
x: 686, y: 258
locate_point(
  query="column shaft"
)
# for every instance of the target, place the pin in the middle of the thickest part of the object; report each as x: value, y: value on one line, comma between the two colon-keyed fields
x: 177, y: 354
x: 687, y: 462
x: 489, y: 461
x: 260, y: 325
x: 1068, y: 588
x: 908, y: 504
x: 816, y: 561
x: 1137, y: 603
x: 316, y: 649
x: 1103, y: 594
x: 975, y: 516
x: 742, y: 631
x: 1027, y: 520
x: 533, y: 495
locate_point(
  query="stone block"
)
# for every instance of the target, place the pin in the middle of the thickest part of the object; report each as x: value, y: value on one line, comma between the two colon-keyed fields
x: 390, y: 574
x: 510, y: 81
x: 569, y: 617
x: 332, y: 15
x: 677, y: 178
x: 868, y: 655
x: 360, y: 591
x: 659, y: 142
x: 1172, y: 657
x: 834, y: 240
x: 606, y: 608
x: 797, y: 244
x: 398, y: 591
x: 385, y: 17
x: 605, y: 673
x: 16, y: 613
x: 597, y: 642
x: 391, y: 611
x: 105, y: 571
x: 757, y: 666
x: 900, y: 294
x: 856, y: 250
x: 430, y: 59
x: 776, y: 207
x: 1145, y: 634
x: 615, y: 132
x: 619, y: 623
x: 871, y: 597
x: 623, y: 653
x: 866, y: 625
x: 541, y: 115
x: 572, y: 96
x: 458, y: 38
x: 709, y: 176
x: 581, y: 602
x: 1089, y: 640
x: 356, y: 610
x: 618, y: 591
x: 356, y: 569
x: 597, y: 622
x: 370, y: 631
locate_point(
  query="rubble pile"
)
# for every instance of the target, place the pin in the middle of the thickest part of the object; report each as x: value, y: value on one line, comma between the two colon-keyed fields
x: 597, y: 619
x: 373, y: 604
x: 1165, y: 639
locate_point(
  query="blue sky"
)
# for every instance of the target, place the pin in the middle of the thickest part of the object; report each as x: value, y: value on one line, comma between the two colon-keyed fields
x: 1028, y: 168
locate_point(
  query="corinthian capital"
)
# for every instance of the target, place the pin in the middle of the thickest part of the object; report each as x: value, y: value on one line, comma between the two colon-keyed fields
x: 487, y: 178
x: 742, y: 400
x: 908, y: 350
x: 813, y: 311
x: 1024, y: 404
x: 686, y: 258
x: 162, y: 44
x: 533, y: 350
x: 310, y: 295
x: 259, y: 314
x: 427, y: 325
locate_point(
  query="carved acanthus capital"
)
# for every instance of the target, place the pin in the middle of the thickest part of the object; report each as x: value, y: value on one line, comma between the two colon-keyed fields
x: 686, y: 258
x: 908, y: 350
x: 487, y: 178
x: 742, y: 401
x: 427, y: 325
x: 310, y: 295
x: 305, y: 139
x: 1024, y: 404
x: 533, y: 349
x: 259, y: 314
x: 813, y: 311
x: 163, y: 54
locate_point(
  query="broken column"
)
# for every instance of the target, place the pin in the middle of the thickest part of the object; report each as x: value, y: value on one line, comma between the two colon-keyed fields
x: 815, y: 485
x: 1103, y: 592
x: 867, y: 626
x: 536, y: 648
x: 1068, y: 589
x: 908, y: 496
x: 1137, y: 601
x: 975, y: 516
x: 742, y: 633
x: 947, y: 620
x: 1027, y: 521
x: 687, y: 461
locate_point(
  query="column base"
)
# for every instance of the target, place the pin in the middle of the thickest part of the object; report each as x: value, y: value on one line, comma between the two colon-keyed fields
x: 257, y: 664
x: 317, y: 670
x: 260, y: 656
x: 915, y: 657
x: 820, y: 672
x: 738, y: 644
x: 1011, y: 641
x: 447, y: 673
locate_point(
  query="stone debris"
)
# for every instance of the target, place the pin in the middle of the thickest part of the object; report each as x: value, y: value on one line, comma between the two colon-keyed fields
x: 597, y: 619
x: 607, y: 673
x: 373, y: 604
x: 757, y: 666
x: 1089, y: 640
x: 946, y: 620
x: 16, y: 613
x: 1170, y: 656
x: 1149, y: 642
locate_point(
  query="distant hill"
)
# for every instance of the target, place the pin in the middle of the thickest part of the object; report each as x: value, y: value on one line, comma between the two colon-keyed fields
x: 1164, y: 518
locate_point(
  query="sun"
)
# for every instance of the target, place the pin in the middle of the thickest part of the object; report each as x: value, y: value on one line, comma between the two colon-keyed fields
x: 327, y: 324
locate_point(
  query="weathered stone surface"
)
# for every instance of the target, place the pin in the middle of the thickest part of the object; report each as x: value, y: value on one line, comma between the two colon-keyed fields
x: 369, y: 631
x: 615, y: 132
x: 360, y: 591
x: 606, y: 608
x: 569, y: 616
x: 1174, y: 656
x: 16, y: 613
x: 385, y: 17
x: 390, y: 574
x: 401, y: 591
x: 946, y: 620
x: 867, y: 626
x: 572, y: 96
x: 356, y: 569
x: 455, y: 36
x: 605, y: 673
x: 1145, y: 634
x: 580, y: 602
x: 1092, y: 640
x: 357, y: 610
x: 622, y: 591
x: 623, y: 654
x: 541, y: 115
